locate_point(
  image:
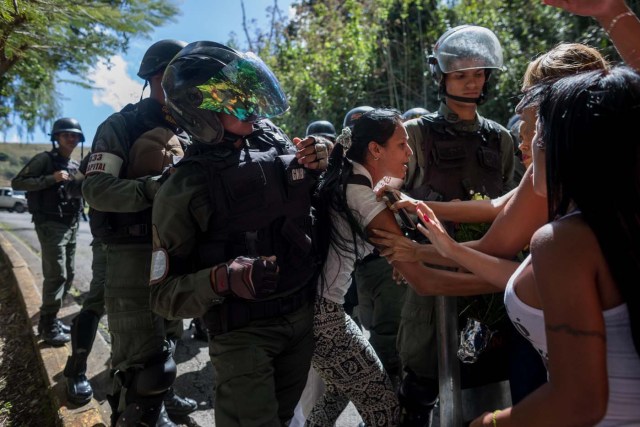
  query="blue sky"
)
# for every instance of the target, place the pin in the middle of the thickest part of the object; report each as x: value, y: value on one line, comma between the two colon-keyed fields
x: 199, y: 20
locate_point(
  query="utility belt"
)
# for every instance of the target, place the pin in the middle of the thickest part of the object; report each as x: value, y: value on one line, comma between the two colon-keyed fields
x: 234, y: 313
x: 64, y: 218
x: 135, y: 233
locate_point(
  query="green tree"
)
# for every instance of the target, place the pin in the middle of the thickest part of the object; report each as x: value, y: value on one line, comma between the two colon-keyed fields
x: 39, y: 39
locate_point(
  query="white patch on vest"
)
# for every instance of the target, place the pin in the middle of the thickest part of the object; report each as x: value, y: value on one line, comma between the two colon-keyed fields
x: 159, y: 265
x: 104, y: 163
x: 297, y: 174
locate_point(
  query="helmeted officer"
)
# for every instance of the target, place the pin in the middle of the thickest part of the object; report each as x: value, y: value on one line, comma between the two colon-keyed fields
x: 323, y: 128
x: 130, y: 152
x: 414, y: 113
x: 457, y: 153
x: 53, y: 183
x: 233, y: 232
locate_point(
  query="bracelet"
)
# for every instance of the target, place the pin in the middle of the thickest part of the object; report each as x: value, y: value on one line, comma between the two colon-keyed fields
x: 494, y: 421
x: 616, y: 18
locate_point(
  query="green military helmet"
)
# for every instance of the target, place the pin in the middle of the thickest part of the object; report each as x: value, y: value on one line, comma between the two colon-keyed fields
x: 207, y: 78
x: 158, y: 56
x: 414, y: 113
x: 354, y: 114
x: 66, y: 124
x: 322, y: 128
x: 465, y: 47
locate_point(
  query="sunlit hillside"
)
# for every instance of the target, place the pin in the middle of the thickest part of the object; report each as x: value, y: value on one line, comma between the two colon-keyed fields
x: 13, y: 156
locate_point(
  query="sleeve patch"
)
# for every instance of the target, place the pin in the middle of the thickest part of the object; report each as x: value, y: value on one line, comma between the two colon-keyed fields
x: 159, y: 265
x: 104, y: 163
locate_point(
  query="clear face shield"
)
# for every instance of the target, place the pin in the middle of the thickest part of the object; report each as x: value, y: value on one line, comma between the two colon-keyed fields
x: 245, y: 88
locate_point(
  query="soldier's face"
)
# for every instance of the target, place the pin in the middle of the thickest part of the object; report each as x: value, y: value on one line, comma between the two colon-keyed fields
x: 467, y: 83
x: 68, y: 140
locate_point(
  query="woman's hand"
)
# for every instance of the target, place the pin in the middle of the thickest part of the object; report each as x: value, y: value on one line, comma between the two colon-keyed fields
x: 396, y: 247
x: 434, y: 231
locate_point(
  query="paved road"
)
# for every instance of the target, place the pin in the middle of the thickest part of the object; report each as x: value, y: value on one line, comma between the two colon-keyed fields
x: 195, y: 374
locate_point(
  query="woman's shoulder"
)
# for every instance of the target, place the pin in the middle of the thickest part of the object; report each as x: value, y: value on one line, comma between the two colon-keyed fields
x: 569, y: 236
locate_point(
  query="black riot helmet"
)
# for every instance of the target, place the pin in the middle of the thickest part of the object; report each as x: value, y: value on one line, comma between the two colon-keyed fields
x: 322, y: 128
x: 158, y: 56
x: 354, y: 114
x: 414, y: 113
x: 465, y: 47
x: 207, y: 78
x: 66, y: 124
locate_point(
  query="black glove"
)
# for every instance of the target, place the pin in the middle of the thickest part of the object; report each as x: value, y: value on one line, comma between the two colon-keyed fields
x: 246, y: 278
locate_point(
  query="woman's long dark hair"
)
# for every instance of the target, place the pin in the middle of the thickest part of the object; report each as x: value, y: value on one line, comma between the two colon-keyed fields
x: 593, y: 162
x: 377, y: 125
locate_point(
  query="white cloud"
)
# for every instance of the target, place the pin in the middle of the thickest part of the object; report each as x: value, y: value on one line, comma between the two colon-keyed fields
x: 115, y: 88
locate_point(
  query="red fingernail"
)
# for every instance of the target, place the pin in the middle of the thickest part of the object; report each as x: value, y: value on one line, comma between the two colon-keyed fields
x: 426, y: 218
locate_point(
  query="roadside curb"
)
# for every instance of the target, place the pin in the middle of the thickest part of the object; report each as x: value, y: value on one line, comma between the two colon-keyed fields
x: 52, y: 359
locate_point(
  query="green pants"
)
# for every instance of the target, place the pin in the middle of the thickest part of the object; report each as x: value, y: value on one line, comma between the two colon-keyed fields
x: 417, y: 343
x: 380, y: 301
x: 94, y: 301
x: 58, y: 250
x: 262, y: 369
x: 137, y: 334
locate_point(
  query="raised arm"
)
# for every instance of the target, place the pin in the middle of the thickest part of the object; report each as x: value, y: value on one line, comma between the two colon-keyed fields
x: 616, y: 18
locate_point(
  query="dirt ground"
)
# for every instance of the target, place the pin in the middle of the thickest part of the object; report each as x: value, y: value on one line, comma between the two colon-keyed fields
x: 24, y: 399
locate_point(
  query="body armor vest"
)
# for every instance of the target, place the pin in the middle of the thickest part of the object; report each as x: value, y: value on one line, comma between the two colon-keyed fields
x: 262, y: 207
x: 56, y: 203
x: 261, y: 198
x: 131, y: 227
x: 459, y: 164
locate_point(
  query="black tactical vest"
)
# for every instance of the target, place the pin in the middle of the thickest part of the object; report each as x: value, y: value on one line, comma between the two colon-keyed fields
x: 459, y: 164
x: 261, y: 198
x: 56, y: 202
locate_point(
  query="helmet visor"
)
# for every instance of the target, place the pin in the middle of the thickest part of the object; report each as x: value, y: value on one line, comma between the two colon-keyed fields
x: 245, y: 88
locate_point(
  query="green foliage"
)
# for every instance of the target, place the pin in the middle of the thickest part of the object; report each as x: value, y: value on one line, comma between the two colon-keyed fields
x: 40, y: 38
x: 339, y: 54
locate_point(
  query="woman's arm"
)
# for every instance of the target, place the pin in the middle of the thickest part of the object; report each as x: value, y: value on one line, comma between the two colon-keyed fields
x: 425, y: 280
x: 494, y: 270
x: 616, y: 18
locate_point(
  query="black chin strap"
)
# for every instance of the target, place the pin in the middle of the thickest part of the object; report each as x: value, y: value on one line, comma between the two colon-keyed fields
x: 464, y: 99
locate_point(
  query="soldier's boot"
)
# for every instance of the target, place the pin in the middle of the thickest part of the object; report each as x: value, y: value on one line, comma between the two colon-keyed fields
x: 199, y: 330
x: 177, y: 406
x: 417, y: 397
x: 144, y: 390
x: 50, y: 331
x: 164, y: 420
x: 63, y: 326
x: 83, y: 333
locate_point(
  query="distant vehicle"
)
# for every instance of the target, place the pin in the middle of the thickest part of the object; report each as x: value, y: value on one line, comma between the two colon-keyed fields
x: 12, y: 200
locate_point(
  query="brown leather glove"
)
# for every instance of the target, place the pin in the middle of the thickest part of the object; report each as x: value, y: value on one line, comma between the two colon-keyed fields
x: 246, y: 278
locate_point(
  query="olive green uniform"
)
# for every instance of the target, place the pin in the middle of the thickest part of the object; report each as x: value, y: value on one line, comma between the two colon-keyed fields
x: 121, y: 190
x: 55, y: 215
x: 262, y: 362
x: 417, y: 333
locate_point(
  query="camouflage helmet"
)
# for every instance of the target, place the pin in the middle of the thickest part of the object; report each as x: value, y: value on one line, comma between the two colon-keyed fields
x: 354, y: 114
x: 323, y: 128
x: 158, y: 56
x: 66, y: 124
x: 207, y: 78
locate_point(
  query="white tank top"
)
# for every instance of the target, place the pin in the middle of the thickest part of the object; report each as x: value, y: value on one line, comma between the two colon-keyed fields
x: 623, y: 362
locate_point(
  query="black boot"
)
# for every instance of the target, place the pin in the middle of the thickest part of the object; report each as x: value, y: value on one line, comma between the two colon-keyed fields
x: 50, y: 331
x: 178, y: 406
x: 63, y: 326
x: 83, y: 333
x: 164, y: 420
x: 199, y: 330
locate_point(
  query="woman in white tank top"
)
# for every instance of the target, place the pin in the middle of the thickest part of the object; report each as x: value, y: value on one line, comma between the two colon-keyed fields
x: 574, y: 297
